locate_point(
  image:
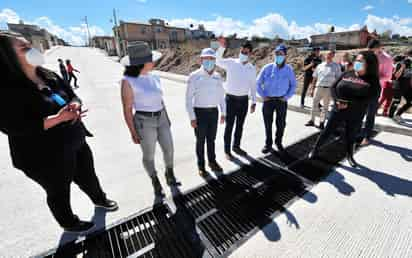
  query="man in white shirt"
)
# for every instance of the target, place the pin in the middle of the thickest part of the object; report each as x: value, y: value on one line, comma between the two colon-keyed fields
x: 204, y: 95
x: 323, y: 78
x: 240, y: 84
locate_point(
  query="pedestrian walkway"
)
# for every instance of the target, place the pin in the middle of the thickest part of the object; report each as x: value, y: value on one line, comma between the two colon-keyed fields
x: 213, y: 219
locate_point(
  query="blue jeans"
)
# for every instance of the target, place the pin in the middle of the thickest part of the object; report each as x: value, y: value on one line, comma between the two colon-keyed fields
x: 370, y: 117
x: 153, y: 130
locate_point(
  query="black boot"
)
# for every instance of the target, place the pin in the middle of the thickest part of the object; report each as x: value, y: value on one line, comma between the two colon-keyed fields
x: 352, y: 162
x: 170, y: 177
x: 157, y: 187
x: 239, y: 151
x: 279, y: 145
x: 322, y: 126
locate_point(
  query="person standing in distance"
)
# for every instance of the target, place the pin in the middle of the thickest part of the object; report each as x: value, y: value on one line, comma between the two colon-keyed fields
x: 240, y: 84
x: 309, y: 65
x: 276, y: 84
x: 70, y: 71
x: 323, y: 78
x: 63, y: 70
x: 385, y: 80
x: 204, y: 94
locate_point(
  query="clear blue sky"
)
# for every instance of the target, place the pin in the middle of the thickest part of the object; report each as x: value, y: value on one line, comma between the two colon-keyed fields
x: 342, y: 13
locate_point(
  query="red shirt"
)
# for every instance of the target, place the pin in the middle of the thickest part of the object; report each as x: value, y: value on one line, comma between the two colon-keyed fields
x: 70, y: 68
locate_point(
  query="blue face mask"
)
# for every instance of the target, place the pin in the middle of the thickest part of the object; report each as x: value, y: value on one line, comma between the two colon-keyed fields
x: 209, y: 65
x: 358, y: 66
x: 279, y: 60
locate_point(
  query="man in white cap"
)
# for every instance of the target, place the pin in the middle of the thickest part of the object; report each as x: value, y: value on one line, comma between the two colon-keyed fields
x: 240, y: 84
x: 204, y: 95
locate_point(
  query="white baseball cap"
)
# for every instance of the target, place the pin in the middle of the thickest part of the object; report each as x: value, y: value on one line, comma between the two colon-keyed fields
x: 208, y: 52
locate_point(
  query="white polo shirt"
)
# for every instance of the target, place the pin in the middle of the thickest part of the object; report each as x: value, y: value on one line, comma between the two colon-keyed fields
x: 326, y: 74
x: 204, y: 91
x: 241, y: 78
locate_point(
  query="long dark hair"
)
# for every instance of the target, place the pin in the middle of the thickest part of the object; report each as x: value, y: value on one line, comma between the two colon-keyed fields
x: 133, y: 70
x: 10, y: 65
x: 372, y: 64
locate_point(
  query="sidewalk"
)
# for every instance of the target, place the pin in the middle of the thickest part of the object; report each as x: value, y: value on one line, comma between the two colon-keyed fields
x: 382, y: 123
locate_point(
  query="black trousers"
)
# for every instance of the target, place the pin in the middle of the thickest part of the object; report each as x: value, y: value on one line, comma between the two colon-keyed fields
x: 207, y: 120
x: 65, y: 76
x: 405, y: 107
x: 397, y: 96
x: 236, y: 111
x: 72, y: 76
x: 74, y: 165
x: 397, y: 100
x: 269, y: 107
x: 351, y: 119
x: 306, y: 82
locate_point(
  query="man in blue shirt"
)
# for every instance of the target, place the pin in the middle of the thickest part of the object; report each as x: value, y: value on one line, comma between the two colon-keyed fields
x: 276, y: 84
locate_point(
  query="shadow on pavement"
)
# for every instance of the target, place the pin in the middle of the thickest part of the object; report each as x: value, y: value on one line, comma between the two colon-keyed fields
x: 391, y: 185
x: 405, y: 153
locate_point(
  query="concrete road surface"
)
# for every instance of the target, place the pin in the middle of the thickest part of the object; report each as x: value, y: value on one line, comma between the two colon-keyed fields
x: 357, y: 213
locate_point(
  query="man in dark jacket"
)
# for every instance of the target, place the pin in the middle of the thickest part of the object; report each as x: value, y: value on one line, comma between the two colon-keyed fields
x: 309, y: 66
x: 402, y: 85
x: 63, y: 70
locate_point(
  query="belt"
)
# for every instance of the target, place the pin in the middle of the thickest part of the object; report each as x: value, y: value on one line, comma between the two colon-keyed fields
x: 323, y: 86
x: 149, y: 114
x: 275, y: 98
x: 206, y: 109
x: 237, y: 97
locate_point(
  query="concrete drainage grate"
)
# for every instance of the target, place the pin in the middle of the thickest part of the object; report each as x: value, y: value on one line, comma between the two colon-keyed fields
x: 151, y: 234
x: 215, y: 218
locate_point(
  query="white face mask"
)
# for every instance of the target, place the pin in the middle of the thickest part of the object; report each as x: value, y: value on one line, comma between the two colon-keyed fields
x: 35, y: 57
x: 243, y: 58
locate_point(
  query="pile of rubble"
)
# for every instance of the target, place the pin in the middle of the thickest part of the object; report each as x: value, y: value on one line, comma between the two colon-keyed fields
x: 186, y: 60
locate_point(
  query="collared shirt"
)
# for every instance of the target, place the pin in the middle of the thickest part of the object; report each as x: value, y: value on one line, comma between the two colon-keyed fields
x: 241, y: 78
x: 204, y: 91
x: 385, y: 67
x: 326, y: 74
x: 147, y: 92
x: 274, y: 81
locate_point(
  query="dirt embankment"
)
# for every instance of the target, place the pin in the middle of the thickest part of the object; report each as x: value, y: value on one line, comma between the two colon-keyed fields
x: 185, y: 60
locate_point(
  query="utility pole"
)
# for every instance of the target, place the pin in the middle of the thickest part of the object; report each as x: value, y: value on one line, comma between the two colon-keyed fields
x: 88, y: 31
x: 116, y: 33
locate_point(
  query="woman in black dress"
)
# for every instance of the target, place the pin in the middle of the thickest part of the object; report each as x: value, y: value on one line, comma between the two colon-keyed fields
x: 351, y: 93
x: 41, y: 116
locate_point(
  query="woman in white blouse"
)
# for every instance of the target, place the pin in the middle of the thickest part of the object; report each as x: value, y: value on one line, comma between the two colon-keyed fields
x: 145, y: 113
